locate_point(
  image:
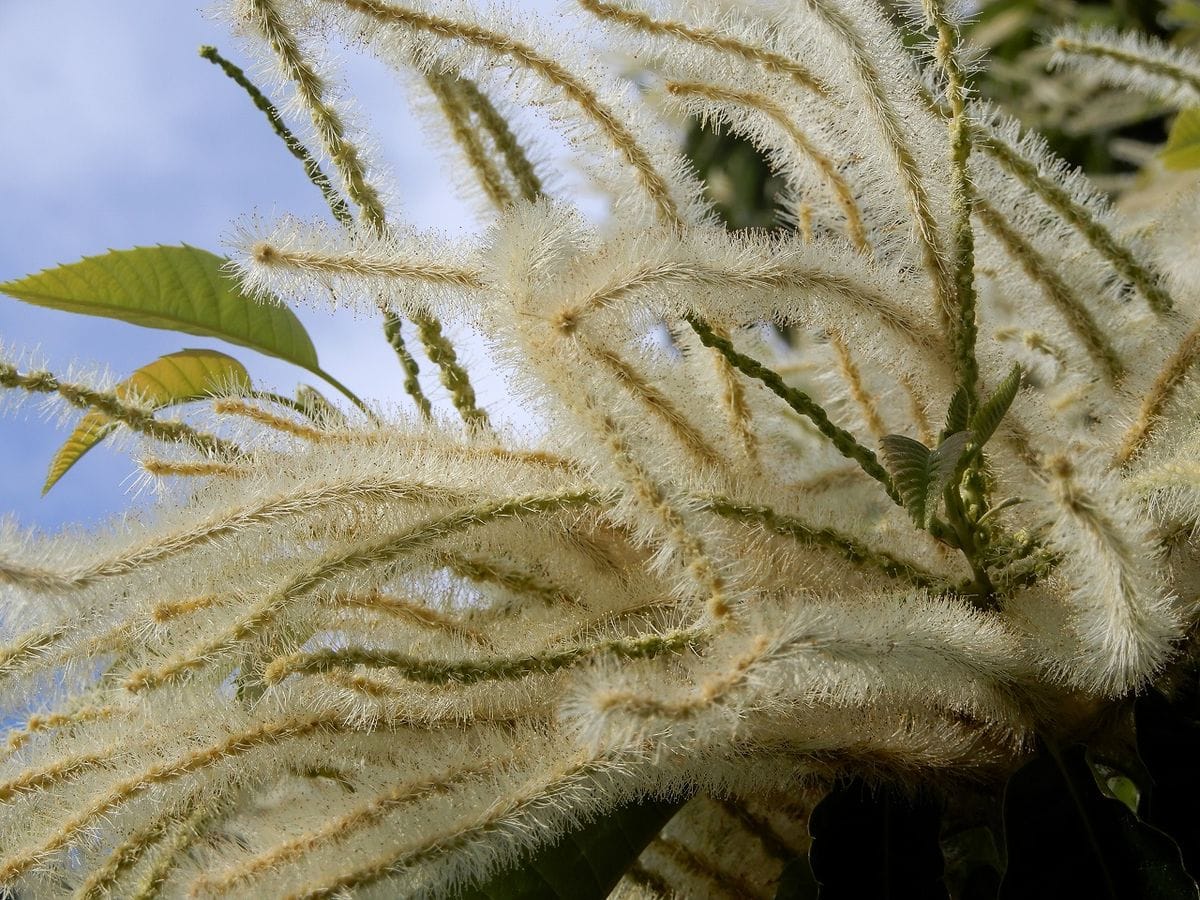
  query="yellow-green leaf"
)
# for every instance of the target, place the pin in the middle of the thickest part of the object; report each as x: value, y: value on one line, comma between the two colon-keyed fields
x: 316, y: 406
x: 177, y: 288
x: 1183, y: 143
x: 170, y: 380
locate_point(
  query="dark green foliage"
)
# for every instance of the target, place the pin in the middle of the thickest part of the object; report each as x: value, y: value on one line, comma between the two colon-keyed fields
x: 1067, y: 839
x: 972, y: 841
x: 1168, y: 738
x: 876, y: 843
x: 990, y: 413
x: 1112, y: 816
x: 736, y: 178
x: 921, y: 475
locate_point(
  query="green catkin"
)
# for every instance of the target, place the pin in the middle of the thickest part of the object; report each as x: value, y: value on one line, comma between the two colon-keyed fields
x: 183, y: 834
x: 445, y: 89
x: 842, y: 440
x: 82, y: 397
x: 362, y: 873
x: 506, y: 143
x: 1168, y: 381
x: 337, y: 205
x: 554, y: 72
x: 342, y: 827
x: 441, y: 353
x: 346, y: 159
x: 703, y: 37
x: 412, y: 385
x: 962, y: 194
x: 518, y: 581
x: 264, y: 734
x: 891, y: 129
x: 655, y: 402
x: 378, y: 552
x: 129, y: 853
x: 843, y: 193
x: 1157, y: 67
x: 846, y: 546
x: 1120, y: 257
x: 472, y: 671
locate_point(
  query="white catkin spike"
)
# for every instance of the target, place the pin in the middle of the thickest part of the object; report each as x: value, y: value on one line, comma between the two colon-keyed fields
x: 1125, y: 620
x: 1131, y: 60
x: 367, y: 655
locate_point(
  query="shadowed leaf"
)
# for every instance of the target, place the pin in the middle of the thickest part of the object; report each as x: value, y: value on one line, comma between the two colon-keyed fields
x: 876, y: 843
x: 1168, y: 735
x: 170, y: 380
x: 1067, y: 839
x: 318, y: 406
x: 922, y: 474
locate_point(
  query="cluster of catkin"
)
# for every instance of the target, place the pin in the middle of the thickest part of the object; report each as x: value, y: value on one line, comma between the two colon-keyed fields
x: 389, y: 657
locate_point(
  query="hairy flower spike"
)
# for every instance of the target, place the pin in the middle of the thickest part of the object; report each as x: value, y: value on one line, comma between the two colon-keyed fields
x: 346, y: 158
x: 393, y: 656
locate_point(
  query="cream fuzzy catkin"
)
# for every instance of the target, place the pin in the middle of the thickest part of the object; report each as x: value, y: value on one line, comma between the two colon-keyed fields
x: 391, y: 657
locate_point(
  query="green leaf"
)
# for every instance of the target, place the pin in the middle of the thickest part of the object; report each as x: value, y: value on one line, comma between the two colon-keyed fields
x: 317, y: 406
x: 956, y: 413
x: 1067, y: 839
x: 177, y: 288
x: 921, y: 474
x: 585, y: 864
x: 988, y: 417
x: 1113, y: 757
x: 1117, y: 786
x: 172, y: 379
x: 972, y: 841
x: 1182, y: 150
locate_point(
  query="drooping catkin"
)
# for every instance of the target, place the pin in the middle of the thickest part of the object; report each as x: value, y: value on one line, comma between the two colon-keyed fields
x: 394, y: 656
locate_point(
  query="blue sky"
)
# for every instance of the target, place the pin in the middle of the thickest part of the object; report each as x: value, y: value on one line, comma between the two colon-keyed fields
x: 117, y: 134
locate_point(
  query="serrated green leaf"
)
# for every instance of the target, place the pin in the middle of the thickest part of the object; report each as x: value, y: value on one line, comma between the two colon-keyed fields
x: 922, y: 474
x: 585, y: 864
x: 956, y: 413
x: 172, y: 379
x: 177, y: 288
x: 988, y: 417
x: 1182, y: 150
x: 908, y: 461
